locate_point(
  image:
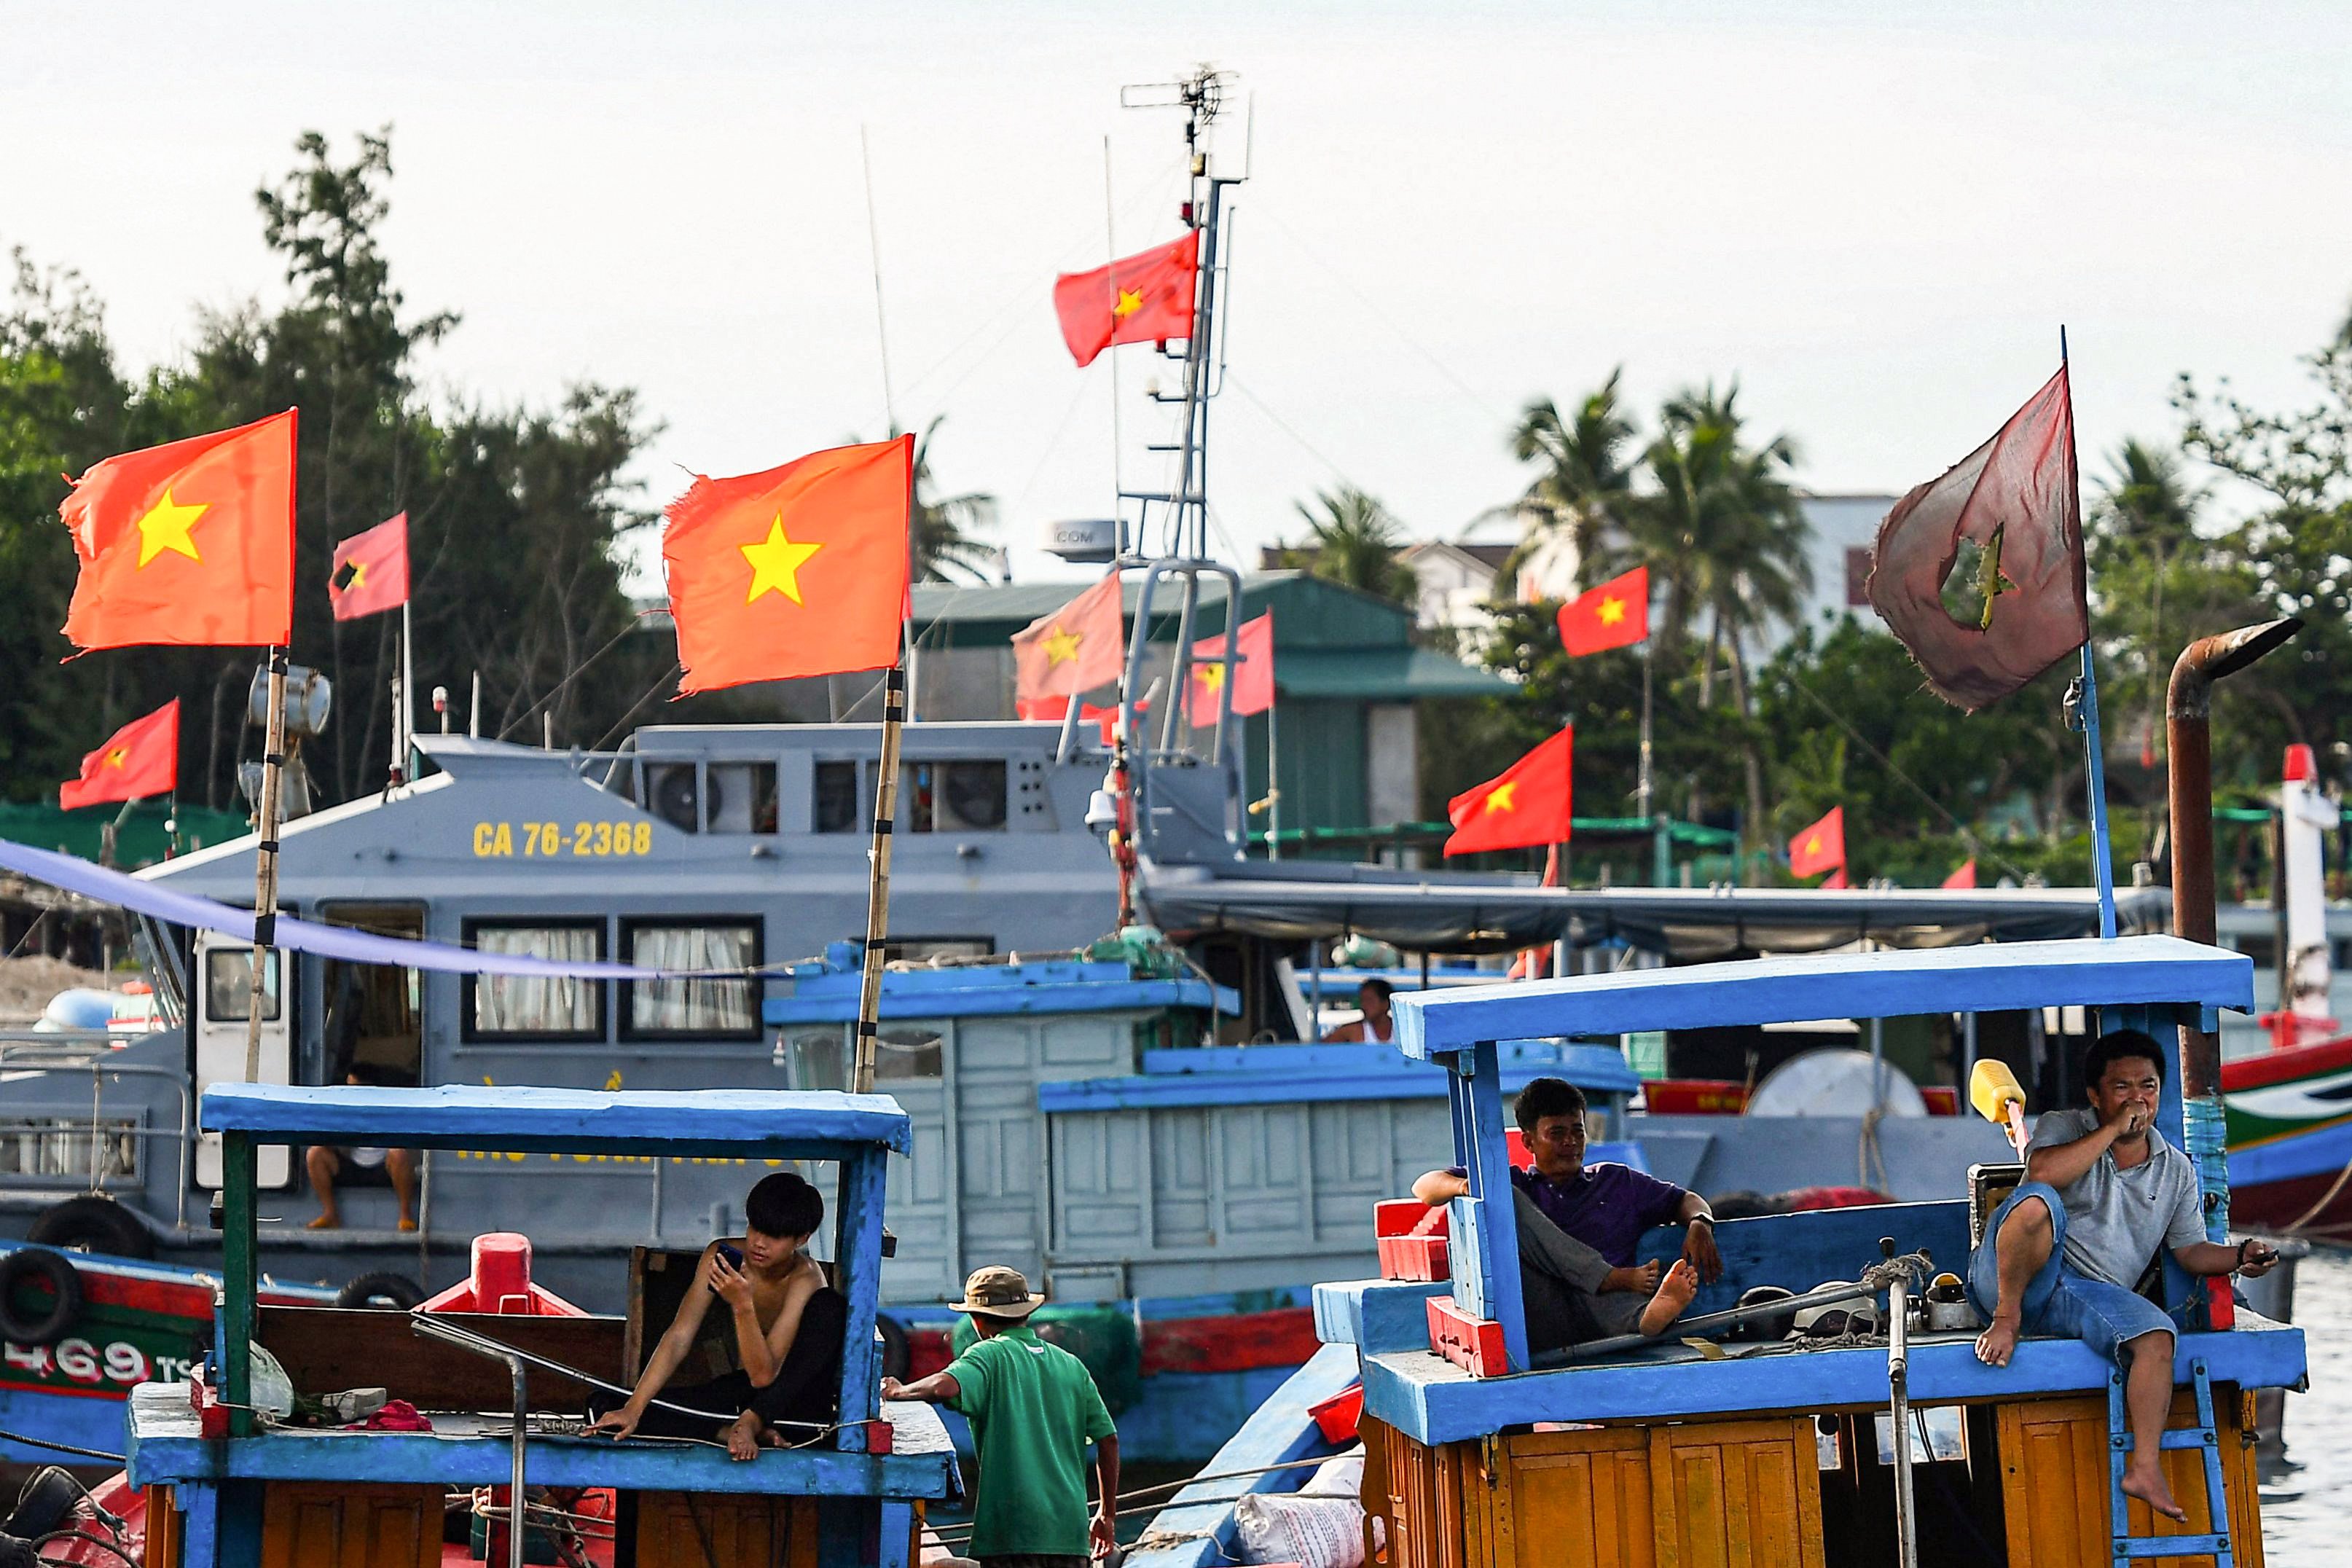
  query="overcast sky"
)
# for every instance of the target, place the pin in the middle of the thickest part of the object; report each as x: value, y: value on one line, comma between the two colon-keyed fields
x: 1874, y: 215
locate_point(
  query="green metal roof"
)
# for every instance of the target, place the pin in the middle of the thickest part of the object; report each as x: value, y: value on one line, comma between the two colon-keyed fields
x: 1379, y: 674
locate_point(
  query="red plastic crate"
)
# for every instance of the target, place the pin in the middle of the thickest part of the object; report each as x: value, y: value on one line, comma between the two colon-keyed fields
x: 1414, y: 1257
x: 1474, y: 1344
x: 1401, y: 1217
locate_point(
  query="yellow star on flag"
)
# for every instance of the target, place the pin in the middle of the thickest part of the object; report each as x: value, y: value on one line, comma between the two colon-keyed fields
x: 117, y: 757
x: 1612, y: 610
x: 1213, y: 676
x: 776, y: 562
x: 1061, y: 646
x: 165, y: 527
x: 1813, y: 844
x: 1500, y: 800
x: 358, y: 576
x: 1131, y: 300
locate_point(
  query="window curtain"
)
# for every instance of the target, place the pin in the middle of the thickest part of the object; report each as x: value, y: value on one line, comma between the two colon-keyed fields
x: 694, y: 1006
x: 537, y: 1003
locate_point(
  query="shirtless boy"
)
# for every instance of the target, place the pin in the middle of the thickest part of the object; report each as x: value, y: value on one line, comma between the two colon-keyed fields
x: 783, y: 1339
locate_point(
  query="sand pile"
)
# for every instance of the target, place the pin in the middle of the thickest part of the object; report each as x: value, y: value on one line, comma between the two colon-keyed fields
x: 27, y: 984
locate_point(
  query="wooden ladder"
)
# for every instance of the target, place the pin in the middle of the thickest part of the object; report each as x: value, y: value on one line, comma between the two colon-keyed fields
x: 2205, y: 1436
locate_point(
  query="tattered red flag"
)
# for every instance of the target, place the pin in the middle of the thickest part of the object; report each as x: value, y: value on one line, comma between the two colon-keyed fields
x: 2014, y: 500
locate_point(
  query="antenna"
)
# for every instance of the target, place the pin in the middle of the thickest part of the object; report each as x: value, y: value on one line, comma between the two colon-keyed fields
x: 874, y: 249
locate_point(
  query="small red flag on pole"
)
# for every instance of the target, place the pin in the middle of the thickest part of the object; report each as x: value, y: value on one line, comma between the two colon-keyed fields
x: 1530, y: 803
x: 370, y: 573
x: 140, y: 758
x: 1820, y: 847
x: 1614, y: 615
x: 1141, y: 298
x: 1966, y: 877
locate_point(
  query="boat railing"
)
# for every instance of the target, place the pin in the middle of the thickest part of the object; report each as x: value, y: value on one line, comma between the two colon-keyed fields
x: 22, y: 1056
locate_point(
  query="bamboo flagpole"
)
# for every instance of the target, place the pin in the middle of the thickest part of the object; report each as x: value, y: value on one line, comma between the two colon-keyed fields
x: 265, y: 864
x: 878, y: 885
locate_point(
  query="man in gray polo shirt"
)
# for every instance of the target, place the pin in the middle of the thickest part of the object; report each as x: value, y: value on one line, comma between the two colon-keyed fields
x: 2062, y: 1255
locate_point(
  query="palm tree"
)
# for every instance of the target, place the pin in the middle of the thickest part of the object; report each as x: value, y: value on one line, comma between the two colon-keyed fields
x: 1580, y: 491
x: 2147, y: 520
x: 1723, y: 526
x: 943, y: 527
x: 1352, y: 540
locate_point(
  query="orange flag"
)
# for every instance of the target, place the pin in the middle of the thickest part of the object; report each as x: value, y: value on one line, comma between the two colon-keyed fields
x: 191, y: 542
x: 370, y: 571
x: 1966, y: 877
x: 1820, y: 847
x: 794, y: 572
x: 140, y: 758
x: 1614, y: 615
x: 1140, y: 299
x: 1253, y: 673
x: 1527, y: 804
x: 1079, y: 646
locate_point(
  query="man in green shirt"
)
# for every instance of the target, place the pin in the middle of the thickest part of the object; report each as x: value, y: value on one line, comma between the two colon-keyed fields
x: 1034, y: 1408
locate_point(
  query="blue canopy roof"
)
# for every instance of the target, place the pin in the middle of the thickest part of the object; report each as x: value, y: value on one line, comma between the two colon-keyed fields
x: 807, y: 1124
x: 1978, y: 978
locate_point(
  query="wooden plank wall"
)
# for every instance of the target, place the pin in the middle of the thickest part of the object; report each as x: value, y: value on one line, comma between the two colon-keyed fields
x: 676, y: 1529
x: 334, y: 1524
x: 326, y: 1349
x: 2054, y: 1481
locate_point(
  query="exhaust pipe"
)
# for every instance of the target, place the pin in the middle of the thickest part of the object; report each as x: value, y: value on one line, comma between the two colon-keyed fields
x: 2189, y: 738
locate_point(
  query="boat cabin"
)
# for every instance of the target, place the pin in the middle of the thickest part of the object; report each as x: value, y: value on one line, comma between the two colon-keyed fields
x: 247, y: 1491
x: 1765, y: 1451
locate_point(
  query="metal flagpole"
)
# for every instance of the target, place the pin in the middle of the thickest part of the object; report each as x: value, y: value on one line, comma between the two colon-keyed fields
x: 2086, y: 707
x: 1110, y: 279
x: 265, y: 864
x: 1273, y: 781
x: 407, y: 687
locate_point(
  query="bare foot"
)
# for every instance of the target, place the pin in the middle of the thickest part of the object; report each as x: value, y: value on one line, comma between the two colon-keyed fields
x: 407, y: 1224
x: 326, y: 1222
x: 2146, y: 1482
x: 1674, y: 1293
x: 1998, y: 1342
x: 1644, y: 1278
x: 743, y: 1437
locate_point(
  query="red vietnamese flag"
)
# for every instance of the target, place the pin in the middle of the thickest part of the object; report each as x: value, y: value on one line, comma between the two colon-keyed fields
x: 378, y: 575
x: 1966, y: 877
x: 793, y: 572
x: 140, y: 758
x: 189, y: 543
x: 1526, y: 806
x: 1614, y: 615
x: 1140, y: 299
x: 1253, y: 673
x: 1820, y: 847
x: 1835, y: 881
x: 1076, y: 649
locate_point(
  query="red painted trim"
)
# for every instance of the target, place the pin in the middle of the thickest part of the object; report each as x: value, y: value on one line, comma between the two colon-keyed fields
x: 118, y: 1392
x: 1244, y: 1342
x: 2283, y: 1066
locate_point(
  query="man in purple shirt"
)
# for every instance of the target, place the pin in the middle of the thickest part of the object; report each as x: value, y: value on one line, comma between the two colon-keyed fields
x: 1579, y: 1225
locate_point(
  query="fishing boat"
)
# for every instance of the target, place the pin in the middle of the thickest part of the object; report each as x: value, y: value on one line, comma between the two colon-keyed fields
x: 1767, y: 1450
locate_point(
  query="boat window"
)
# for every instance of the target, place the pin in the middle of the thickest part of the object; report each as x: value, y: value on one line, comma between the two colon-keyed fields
x: 820, y: 1059
x: 374, y: 1012
x: 536, y: 1006
x: 701, y: 1007
x: 741, y: 797
x: 837, y: 797
x: 953, y: 797
x: 228, y: 985
x: 903, y: 1054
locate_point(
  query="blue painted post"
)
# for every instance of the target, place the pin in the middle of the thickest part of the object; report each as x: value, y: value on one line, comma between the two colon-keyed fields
x: 857, y: 1274
x: 1497, y: 1218
x: 240, y: 1279
x: 199, y: 1524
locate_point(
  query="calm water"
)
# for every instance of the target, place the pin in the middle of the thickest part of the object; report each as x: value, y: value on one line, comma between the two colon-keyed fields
x: 2307, y: 1496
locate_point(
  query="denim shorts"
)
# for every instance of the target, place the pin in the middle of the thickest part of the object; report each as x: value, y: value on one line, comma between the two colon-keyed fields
x: 2060, y: 1303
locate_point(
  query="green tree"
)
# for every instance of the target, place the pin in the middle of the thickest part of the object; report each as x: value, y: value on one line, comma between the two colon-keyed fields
x: 514, y: 514
x: 946, y: 528
x: 1353, y: 540
x: 1580, y: 490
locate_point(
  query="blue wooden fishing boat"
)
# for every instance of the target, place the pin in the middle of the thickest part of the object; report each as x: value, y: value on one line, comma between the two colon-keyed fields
x: 261, y: 1492
x: 1686, y: 1450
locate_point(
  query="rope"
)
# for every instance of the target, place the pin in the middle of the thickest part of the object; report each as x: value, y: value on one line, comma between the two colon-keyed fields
x: 2313, y: 1212
x: 60, y: 1447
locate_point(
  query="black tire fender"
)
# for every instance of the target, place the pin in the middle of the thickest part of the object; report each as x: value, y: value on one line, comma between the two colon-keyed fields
x: 93, y: 1224
x: 395, y: 1292
x: 898, y: 1356
x: 28, y: 1264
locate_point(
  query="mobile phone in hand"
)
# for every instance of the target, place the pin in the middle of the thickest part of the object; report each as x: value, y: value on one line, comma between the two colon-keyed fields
x: 734, y: 1257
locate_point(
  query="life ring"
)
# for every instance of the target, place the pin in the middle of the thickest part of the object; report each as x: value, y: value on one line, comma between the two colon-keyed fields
x: 394, y: 1292
x: 93, y: 1224
x: 62, y: 1282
